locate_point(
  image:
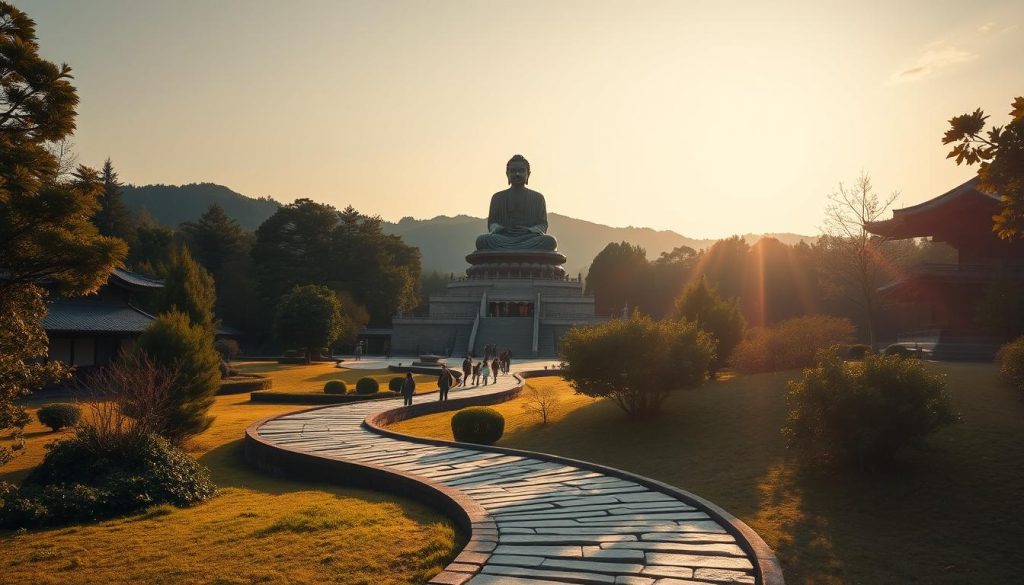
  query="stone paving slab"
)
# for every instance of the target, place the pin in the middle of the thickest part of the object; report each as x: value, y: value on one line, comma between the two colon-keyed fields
x: 547, y: 521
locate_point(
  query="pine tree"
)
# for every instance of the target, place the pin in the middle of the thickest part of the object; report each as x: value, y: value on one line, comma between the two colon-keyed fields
x: 189, y: 288
x: 701, y: 305
x: 44, y: 228
x: 113, y: 218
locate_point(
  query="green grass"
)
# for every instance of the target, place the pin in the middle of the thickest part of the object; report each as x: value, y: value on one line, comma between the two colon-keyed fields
x: 310, y: 379
x: 948, y: 515
x: 259, y: 529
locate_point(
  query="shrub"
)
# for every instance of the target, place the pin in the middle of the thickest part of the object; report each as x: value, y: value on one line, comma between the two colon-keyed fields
x: 367, y: 386
x: 636, y: 362
x: 790, y: 344
x: 227, y: 348
x: 244, y: 383
x: 335, y: 387
x: 722, y: 319
x: 59, y: 415
x: 859, y: 351
x: 76, y: 483
x: 171, y: 341
x: 865, y: 412
x: 1011, y: 363
x: 395, y: 384
x: 478, y: 424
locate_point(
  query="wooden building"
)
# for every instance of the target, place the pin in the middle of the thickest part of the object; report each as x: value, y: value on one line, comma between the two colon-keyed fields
x: 941, y: 300
x: 92, y: 330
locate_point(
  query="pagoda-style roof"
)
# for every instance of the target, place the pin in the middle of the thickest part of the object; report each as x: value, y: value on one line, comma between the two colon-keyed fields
x: 133, y: 280
x: 87, y: 316
x: 962, y: 214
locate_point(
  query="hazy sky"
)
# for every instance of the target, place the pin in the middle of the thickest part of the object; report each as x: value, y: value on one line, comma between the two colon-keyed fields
x: 705, y: 118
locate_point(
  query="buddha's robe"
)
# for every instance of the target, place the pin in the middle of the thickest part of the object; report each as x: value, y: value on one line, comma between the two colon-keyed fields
x: 521, y: 221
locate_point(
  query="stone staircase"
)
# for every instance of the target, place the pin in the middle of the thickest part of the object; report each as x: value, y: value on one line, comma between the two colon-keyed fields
x: 513, y: 333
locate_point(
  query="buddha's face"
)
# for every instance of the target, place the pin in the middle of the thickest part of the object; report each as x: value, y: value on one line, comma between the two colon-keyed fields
x: 518, y: 173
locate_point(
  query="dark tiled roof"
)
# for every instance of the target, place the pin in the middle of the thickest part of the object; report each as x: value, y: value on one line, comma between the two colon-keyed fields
x: 90, y: 316
x: 135, y: 280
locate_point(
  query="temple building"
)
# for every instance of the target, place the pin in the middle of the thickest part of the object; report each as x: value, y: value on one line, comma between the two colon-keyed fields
x: 941, y: 300
x: 515, y: 294
x: 91, y: 330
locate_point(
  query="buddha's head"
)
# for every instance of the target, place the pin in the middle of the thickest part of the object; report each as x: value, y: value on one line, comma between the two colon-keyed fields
x: 518, y: 170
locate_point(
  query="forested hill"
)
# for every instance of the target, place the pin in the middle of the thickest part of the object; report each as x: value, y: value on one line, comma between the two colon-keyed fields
x: 443, y: 241
x: 170, y: 205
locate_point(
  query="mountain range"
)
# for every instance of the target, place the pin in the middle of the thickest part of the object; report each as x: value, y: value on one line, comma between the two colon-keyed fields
x: 443, y: 241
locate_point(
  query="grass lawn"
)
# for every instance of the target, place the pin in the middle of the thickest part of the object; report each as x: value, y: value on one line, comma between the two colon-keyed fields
x: 950, y: 514
x: 311, y: 378
x: 259, y: 529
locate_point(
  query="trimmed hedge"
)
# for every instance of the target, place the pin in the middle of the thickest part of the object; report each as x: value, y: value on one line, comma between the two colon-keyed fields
x: 59, y: 415
x: 244, y: 383
x: 366, y: 386
x: 395, y: 384
x: 478, y: 424
x: 335, y: 387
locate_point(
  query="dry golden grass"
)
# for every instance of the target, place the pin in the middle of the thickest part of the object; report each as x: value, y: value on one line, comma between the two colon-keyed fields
x: 259, y: 529
x: 311, y: 378
x: 949, y: 515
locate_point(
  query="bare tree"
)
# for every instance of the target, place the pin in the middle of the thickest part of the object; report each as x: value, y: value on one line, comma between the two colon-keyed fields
x: 128, y: 400
x: 542, y: 402
x: 67, y: 159
x: 858, y: 265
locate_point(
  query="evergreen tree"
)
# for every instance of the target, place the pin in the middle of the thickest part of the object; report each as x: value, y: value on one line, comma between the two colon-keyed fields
x: 309, y: 317
x: 224, y: 248
x: 700, y: 304
x: 186, y: 348
x: 113, y: 218
x: 617, y: 278
x: 44, y: 227
x: 188, y: 288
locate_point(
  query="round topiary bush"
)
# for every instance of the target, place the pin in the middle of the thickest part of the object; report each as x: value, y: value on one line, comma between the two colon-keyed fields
x: 478, y: 424
x: 367, y: 386
x: 859, y: 351
x: 59, y: 415
x: 395, y: 384
x: 335, y: 387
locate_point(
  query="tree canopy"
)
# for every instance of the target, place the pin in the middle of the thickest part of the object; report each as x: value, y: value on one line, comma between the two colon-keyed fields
x: 308, y: 242
x: 999, y: 154
x: 45, y: 232
x: 309, y: 317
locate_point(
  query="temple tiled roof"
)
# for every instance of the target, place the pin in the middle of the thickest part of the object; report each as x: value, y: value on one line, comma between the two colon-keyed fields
x: 93, y: 317
x: 135, y: 280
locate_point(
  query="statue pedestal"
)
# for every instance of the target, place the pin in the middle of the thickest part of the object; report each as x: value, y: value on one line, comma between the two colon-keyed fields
x: 492, y: 264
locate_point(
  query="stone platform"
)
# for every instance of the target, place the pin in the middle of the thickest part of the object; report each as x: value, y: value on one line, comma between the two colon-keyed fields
x: 532, y: 518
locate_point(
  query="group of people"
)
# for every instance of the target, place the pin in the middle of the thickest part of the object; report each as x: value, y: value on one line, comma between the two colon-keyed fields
x: 491, y: 365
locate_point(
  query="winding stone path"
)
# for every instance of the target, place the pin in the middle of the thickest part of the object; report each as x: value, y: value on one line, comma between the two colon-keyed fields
x: 533, y: 518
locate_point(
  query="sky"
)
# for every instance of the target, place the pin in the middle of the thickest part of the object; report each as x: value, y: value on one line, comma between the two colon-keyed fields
x: 709, y: 119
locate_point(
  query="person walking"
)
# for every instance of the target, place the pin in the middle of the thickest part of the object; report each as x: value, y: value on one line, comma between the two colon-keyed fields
x: 495, y: 367
x: 467, y: 369
x: 408, y: 388
x: 444, y: 383
x: 476, y: 373
x: 486, y: 371
x: 508, y: 360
